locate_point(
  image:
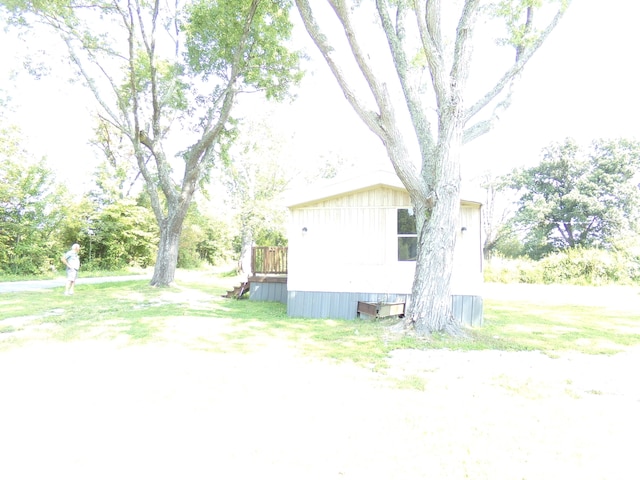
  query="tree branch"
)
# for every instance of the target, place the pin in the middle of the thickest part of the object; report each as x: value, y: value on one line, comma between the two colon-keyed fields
x: 527, y: 29
x: 430, y: 37
x: 432, y: 22
x: 511, y: 76
x: 396, y: 39
x: 480, y: 128
x: 369, y: 117
x: 201, y: 150
x: 462, y: 50
x: 358, y: 55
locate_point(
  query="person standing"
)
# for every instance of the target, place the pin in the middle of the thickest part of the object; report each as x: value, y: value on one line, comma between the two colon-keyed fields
x: 71, y: 259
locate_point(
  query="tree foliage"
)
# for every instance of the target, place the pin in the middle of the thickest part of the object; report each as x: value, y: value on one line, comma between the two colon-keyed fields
x: 166, y: 74
x: 259, y: 170
x: 205, y: 239
x: 117, y: 175
x: 32, y: 205
x: 578, y: 197
x: 215, y: 29
x: 497, y: 211
x: 123, y: 234
x: 39, y: 220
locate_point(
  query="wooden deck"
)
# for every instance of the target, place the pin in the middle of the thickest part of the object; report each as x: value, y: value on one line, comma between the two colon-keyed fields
x: 269, y: 275
x: 269, y: 260
x: 268, y: 279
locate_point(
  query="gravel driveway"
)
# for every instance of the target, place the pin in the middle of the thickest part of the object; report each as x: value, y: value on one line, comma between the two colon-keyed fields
x: 29, y: 285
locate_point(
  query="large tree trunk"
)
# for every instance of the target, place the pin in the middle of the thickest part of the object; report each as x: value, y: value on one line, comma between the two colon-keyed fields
x: 167, y: 258
x: 437, y: 221
x: 430, y: 309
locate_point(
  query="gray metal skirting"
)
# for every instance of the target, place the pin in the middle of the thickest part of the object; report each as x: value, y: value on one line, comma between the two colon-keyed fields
x: 268, y: 292
x: 468, y: 309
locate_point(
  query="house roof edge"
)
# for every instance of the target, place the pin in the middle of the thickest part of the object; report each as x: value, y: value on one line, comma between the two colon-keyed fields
x: 338, y: 187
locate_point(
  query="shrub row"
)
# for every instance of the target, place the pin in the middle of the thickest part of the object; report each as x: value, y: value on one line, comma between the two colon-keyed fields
x: 573, y: 266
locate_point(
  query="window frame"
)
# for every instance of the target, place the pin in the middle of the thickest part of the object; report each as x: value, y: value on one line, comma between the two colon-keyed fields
x: 400, y: 250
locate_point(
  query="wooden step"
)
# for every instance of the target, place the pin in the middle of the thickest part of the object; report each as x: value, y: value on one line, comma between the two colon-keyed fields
x: 238, y: 291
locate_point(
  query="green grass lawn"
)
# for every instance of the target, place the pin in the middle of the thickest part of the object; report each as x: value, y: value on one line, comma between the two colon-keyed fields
x: 586, y: 329
x: 196, y: 314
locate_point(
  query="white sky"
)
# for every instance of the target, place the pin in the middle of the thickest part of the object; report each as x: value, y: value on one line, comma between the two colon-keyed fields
x: 583, y: 83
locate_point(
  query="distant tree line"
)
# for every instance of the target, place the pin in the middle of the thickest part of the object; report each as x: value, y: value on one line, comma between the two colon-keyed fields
x: 113, y: 222
x: 40, y: 220
x: 576, y: 214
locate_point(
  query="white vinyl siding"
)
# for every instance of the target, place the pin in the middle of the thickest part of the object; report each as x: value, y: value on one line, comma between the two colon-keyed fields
x: 351, y: 244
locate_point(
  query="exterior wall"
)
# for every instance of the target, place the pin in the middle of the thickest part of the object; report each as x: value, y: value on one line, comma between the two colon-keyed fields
x: 349, y: 244
x: 344, y: 249
x: 467, y: 309
x: 467, y: 276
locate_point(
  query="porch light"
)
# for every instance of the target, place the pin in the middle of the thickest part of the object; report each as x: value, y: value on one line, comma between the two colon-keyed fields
x: 304, y: 231
x: 463, y: 230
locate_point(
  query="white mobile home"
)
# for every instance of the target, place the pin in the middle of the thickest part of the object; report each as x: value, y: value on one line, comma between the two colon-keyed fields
x: 352, y: 241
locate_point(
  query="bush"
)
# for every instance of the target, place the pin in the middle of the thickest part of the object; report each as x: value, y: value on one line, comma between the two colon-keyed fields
x: 582, y: 266
x: 521, y: 270
x: 579, y: 266
x: 188, y: 258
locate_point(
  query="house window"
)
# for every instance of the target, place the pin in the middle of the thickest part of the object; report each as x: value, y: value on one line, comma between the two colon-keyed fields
x: 407, y: 236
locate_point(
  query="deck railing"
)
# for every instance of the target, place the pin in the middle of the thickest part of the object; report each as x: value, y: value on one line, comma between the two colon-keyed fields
x: 269, y: 260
